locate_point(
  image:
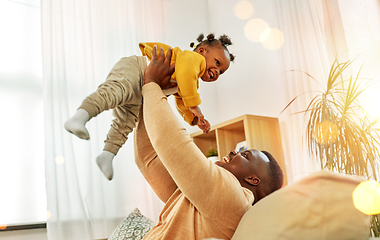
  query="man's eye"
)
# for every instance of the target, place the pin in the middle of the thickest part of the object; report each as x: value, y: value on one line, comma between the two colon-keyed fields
x: 217, y: 62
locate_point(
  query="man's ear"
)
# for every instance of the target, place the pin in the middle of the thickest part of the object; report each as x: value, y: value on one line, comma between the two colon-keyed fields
x: 253, y: 180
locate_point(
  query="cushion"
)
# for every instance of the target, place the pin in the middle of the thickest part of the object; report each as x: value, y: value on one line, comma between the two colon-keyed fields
x: 135, y: 227
x: 319, y: 206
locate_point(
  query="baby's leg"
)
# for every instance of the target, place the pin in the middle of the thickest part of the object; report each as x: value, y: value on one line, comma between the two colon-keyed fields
x: 107, y: 96
x: 104, y: 161
x: 76, y: 124
x: 123, y: 124
x: 114, y: 92
x: 125, y: 114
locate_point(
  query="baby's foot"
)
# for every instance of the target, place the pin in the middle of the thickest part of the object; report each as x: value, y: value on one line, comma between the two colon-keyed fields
x: 104, y: 161
x: 76, y: 124
x: 77, y: 128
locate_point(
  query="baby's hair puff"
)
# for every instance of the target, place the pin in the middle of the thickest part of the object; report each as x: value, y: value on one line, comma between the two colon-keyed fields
x: 211, y: 41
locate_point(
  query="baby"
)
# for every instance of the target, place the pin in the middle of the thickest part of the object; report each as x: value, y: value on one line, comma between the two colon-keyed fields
x: 122, y: 91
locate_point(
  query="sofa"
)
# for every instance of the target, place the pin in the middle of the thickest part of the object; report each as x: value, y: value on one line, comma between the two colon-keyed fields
x: 317, y: 207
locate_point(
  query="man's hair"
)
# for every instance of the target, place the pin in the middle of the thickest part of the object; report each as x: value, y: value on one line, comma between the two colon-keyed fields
x: 276, y: 175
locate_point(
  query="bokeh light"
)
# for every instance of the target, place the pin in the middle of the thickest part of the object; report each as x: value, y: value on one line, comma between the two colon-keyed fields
x: 366, y: 197
x: 255, y: 28
x: 59, y: 160
x: 3, y: 226
x: 243, y: 10
x: 325, y: 132
x: 48, y: 214
x: 272, y: 39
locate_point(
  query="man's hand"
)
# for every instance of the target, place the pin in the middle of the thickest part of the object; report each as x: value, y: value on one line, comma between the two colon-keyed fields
x: 159, y: 69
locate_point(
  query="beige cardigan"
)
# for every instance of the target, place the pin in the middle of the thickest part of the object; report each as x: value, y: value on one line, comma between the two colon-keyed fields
x: 201, y: 199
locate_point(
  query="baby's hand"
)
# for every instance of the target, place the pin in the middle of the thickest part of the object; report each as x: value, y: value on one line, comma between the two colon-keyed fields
x: 200, y: 120
x: 197, y: 113
x: 204, y: 126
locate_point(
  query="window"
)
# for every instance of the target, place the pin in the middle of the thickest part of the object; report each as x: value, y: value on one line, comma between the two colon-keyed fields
x: 22, y: 171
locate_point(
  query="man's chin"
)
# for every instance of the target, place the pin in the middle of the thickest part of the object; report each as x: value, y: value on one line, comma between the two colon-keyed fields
x: 219, y: 163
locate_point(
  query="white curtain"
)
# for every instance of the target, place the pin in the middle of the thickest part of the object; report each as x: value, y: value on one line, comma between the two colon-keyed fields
x: 81, y: 41
x: 316, y: 31
x: 304, y: 50
x: 361, y: 23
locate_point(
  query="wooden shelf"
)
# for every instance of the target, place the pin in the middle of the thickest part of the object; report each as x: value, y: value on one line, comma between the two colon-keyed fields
x: 261, y: 133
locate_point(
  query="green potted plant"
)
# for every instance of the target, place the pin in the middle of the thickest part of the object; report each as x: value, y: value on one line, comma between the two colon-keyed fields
x: 212, y: 154
x: 339, y: 133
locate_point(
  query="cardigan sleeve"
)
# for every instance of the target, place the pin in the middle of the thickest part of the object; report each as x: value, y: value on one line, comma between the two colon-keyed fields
x: 150, y: 164
x: 184, y: 111
x: 189, y: 67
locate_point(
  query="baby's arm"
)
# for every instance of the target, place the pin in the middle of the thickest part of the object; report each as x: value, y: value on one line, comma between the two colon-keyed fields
x: 199, y: 120
x: 196, y: 111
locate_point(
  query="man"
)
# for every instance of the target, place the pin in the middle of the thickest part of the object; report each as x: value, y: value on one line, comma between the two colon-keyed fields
x: 202, y: 200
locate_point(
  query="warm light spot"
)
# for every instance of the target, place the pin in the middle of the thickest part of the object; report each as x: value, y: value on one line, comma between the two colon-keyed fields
x: 366, y: 197
x: 59, y: 160
x: 48, y: 214
x: 3, y: 227
x: 254, y: 29
x: 264, y: 35
x: 325, y: 132
x: 372, y: 102
x: 272, y: 39
x: 243, y: 10
x: 371, y: 98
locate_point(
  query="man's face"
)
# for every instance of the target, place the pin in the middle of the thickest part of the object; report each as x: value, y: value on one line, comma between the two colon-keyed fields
x: 246, y: 164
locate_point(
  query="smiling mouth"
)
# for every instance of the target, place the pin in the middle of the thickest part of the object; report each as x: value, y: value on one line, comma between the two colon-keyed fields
x: 211, y: 74
x: 226, y: 159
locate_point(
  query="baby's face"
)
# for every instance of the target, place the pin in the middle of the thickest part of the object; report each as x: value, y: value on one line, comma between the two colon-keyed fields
x: 217, y: 62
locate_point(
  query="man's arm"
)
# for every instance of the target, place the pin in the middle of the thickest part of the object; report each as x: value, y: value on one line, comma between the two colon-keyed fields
x: 146, y: 157
x: 211, y: 189
x: 150, y: 164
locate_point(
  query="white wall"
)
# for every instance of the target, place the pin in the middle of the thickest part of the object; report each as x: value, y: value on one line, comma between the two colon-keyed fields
x: 252, y: 83
x: 184, y: 21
